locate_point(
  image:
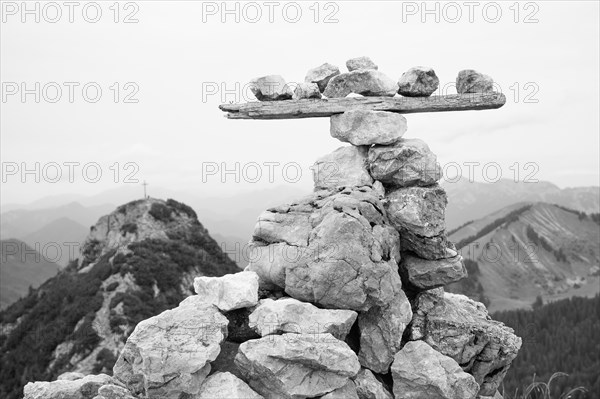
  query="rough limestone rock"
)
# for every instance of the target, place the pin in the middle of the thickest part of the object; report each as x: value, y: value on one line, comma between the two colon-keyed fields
x: 360, y: 63
x: 306, y: 90
x: 360, y: 127
x: 341, y: 254
x: 381, y: 329
x: 418, y: 215
x: 70, y: 376
x: 470, y: 81
x: 83, y: 388
x: 229, y: 292
x: 321, y: 75
x: 296, y: 365
x: 408, y: 162
x: 418, y: 82
x: 419, y: 372
x: 271, y: 88
x: 169, y: 354
x: 348, y: 391
x: 288, y: 315
x: 369, y: 387
x: 226, y: 386
x: 345, y: 167
x: 112, y: 391
x: 425, y: 274
x: 461, y: 328
x: 366, y: 82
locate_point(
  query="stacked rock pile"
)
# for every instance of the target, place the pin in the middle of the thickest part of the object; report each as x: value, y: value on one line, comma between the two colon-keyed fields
x: 343, y: 296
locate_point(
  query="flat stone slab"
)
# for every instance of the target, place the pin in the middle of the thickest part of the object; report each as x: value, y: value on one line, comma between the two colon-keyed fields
x: 319, y: 108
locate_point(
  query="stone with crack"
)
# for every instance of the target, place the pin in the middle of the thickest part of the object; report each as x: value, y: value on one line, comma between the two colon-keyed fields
x: 419, y: 372
x: 294, y: 366
x: 408, y: 162
x: 369, y: 387
x: 345, y: 167
x: 169, y: 355
x: 366, y: 82
x: 381, y: 329
x: 229, y: 292
x: 425, y: 274
x: 362, y: 127
x: 344, y: 256
x: 461, y: 328
x: 418, y: 215
x: 289, y: 315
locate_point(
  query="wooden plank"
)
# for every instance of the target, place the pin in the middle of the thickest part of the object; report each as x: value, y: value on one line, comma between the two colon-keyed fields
x: 318, y: 108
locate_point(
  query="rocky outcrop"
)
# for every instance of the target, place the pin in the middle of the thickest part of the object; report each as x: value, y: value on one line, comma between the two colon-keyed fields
x: 368, y: 127
x: 461, y: 328
x: 296, y: 365
x: 341, y: 254
x: 420, y: 372
x: 288, y: 315
x: 170, y: 354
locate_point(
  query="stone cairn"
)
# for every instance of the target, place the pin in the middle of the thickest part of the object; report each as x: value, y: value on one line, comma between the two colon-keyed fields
x: 343, y: 295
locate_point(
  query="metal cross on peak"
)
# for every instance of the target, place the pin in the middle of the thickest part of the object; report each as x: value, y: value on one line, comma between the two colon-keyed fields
x: 145, y: 184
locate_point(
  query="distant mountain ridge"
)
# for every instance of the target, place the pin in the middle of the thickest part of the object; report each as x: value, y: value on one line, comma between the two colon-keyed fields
x: 529, y: 249
x: 137, y: 261
x: 473, y: 200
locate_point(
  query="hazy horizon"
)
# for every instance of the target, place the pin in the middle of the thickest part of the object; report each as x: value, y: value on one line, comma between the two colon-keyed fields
x: 171, y: 62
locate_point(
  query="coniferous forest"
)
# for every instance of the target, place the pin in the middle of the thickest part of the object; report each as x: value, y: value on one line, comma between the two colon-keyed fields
x: 561, y: 336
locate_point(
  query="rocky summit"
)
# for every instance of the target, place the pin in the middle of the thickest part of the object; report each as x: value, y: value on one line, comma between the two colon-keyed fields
x: 343, y: 296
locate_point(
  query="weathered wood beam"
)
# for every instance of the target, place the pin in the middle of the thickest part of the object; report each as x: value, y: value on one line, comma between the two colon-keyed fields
x: 314, y: 108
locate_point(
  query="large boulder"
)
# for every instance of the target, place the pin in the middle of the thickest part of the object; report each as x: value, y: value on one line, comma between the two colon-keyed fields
x: 225, y: 386
x: 296, y: 365
x: 271, y: 88
x: 381, y: 329
x: 366, y: 82
x: 470, y: 81
x: 81, y: 388
x: 418, y: 82
x: 360, y: 63
x: 418, y: 215
x: 341, y: 254
x: 170, y: 354
x: 408, y: 162
x: 369, y: 387
x: 461, y: 328
x: 321, y: 75
x: 345, y: 167
x: 425, y: 274
x: 289, y: 315
x: 419, y: 372
x: 362, y: 127
x: 229, y: 292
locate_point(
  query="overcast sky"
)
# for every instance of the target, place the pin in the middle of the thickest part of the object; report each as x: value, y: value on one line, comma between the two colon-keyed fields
x: 179, y: 52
